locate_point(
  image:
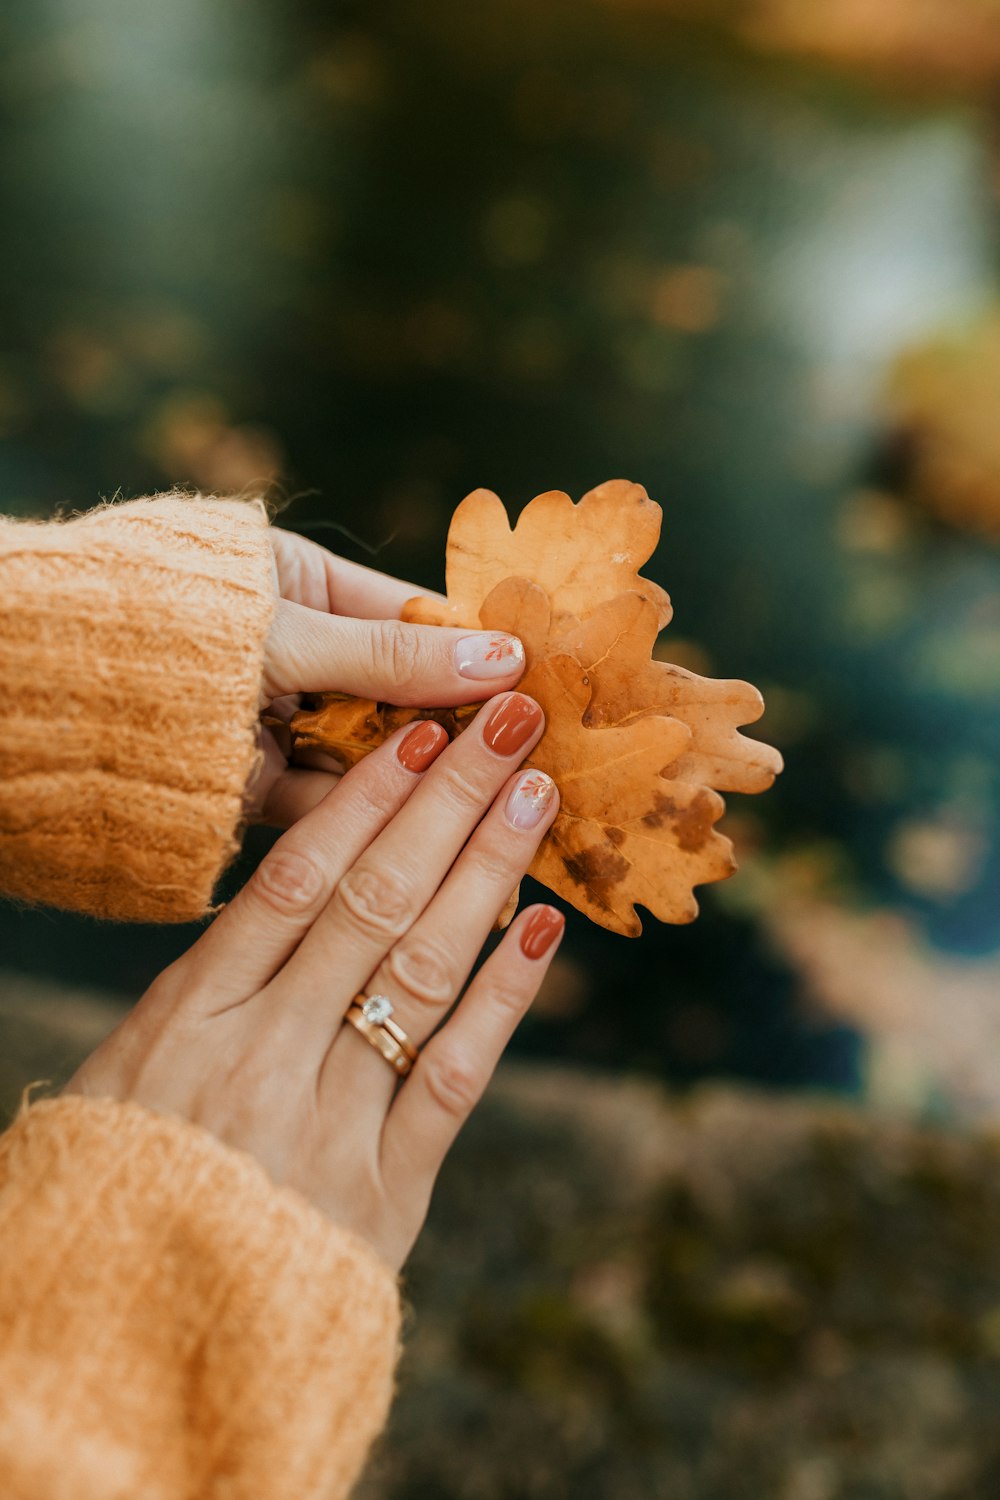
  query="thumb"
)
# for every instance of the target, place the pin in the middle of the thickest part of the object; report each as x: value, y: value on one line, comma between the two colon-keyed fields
x: 423, y: 665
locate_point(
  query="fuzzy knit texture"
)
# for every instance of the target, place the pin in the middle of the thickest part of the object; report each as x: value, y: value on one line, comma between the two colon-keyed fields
x: 131, y: 642
x: 172, y: 1325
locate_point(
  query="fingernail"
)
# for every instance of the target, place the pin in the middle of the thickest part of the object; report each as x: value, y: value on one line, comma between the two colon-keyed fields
x: 420, y: 746
x: 540, y: 931
x: 486, y: 656
x: 510, y: 727
x: 529, y: 799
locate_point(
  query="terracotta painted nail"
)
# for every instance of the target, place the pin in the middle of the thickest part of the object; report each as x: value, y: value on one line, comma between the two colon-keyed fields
x: 511, y: 725
x: 529, y: 799
x: 487, y: 656
x: 417, y: 749
x: 540, y: 931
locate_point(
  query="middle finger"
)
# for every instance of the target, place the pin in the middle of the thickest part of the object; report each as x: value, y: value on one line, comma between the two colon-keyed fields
x: 424, y: 973
x: 384, y: 893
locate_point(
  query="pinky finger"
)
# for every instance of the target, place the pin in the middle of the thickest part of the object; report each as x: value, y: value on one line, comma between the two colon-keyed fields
x: 454, y: 1068
x: 295, y: 793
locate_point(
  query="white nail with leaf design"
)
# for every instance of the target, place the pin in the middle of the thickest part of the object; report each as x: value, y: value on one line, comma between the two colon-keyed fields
x: 529, y: 799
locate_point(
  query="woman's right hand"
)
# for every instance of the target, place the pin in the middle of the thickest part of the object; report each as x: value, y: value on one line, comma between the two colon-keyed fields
x: 391, y: 886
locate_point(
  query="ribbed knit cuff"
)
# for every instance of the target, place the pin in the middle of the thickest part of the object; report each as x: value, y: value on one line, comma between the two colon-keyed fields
x: 174, y: 1325
x: 131, y: 648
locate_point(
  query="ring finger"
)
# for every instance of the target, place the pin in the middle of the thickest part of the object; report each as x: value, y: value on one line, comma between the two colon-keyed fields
x: 423, y: 974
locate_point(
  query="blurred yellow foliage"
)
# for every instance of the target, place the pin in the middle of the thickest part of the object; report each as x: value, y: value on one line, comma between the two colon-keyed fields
x: 944, y: 397
x: 926, y: 43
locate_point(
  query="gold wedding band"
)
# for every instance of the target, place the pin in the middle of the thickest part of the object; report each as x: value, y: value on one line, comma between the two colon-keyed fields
x: 371, y: 1015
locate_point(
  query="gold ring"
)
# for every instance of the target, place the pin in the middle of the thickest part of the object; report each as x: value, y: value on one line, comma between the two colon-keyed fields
x: 372, y: 1016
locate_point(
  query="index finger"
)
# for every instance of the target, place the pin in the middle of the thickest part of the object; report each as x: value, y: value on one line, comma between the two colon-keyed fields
x: 309, y: 574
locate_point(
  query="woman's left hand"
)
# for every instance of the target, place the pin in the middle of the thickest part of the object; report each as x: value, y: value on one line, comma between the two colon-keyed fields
x: 337, y: 629
x: 389, y: 887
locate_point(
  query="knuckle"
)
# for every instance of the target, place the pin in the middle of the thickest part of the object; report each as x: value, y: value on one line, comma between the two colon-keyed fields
x: 364, y: 782
x: 396, y: 652
x: 451, y: 1081
x: 508, y: 998
x: 288, y: 882
x: 460, y: 791
x: 377, y: 902
x: 424, y: 970
x: 499, y: 866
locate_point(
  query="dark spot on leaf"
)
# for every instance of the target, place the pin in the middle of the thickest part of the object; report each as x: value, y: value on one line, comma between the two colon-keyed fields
x: 616, y: 836
x: 692, y: 824
x: 598, y: 869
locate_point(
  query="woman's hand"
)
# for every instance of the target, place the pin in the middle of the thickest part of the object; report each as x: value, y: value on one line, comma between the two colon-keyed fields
x: 337, y: 629
x: 390, y: 886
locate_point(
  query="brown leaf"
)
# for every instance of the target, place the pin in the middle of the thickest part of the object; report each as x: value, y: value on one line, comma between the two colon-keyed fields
x: 625, y: 833
x: 578, y: 554
x: 614, y: 647
x: 426, y: 610
x: 350, y: 728
x: 509, y: 912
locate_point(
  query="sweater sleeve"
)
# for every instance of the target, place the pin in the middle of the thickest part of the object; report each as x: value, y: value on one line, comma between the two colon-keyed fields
x: 173, y: 1326
x: 131, y: 644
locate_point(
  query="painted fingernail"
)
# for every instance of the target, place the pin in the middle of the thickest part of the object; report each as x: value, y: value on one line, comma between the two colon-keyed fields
x: 485, y: 656
x: 529, y: 799
x: 540, y: 931
x: 417, y: 749
x: 511, y: 725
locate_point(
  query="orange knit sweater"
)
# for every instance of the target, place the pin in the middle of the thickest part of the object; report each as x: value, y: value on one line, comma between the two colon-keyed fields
x: 172, y: 1325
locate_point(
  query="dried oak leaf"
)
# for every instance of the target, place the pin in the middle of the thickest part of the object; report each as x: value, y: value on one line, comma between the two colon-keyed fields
x: 350, y: 728
x: 614, y: 647
x: 626, y: 831
x: 638, y: 747
x: 578, y: 554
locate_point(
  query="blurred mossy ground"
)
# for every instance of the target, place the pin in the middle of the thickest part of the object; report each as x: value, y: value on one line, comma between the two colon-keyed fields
x: 621, y: 1294
x: 624, y: 1295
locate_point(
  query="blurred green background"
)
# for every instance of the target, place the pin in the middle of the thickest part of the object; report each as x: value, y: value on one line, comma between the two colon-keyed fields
x: 373, y: 256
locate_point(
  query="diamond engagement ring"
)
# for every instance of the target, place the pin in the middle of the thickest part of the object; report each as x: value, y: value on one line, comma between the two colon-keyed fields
x: 372, y: 1016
